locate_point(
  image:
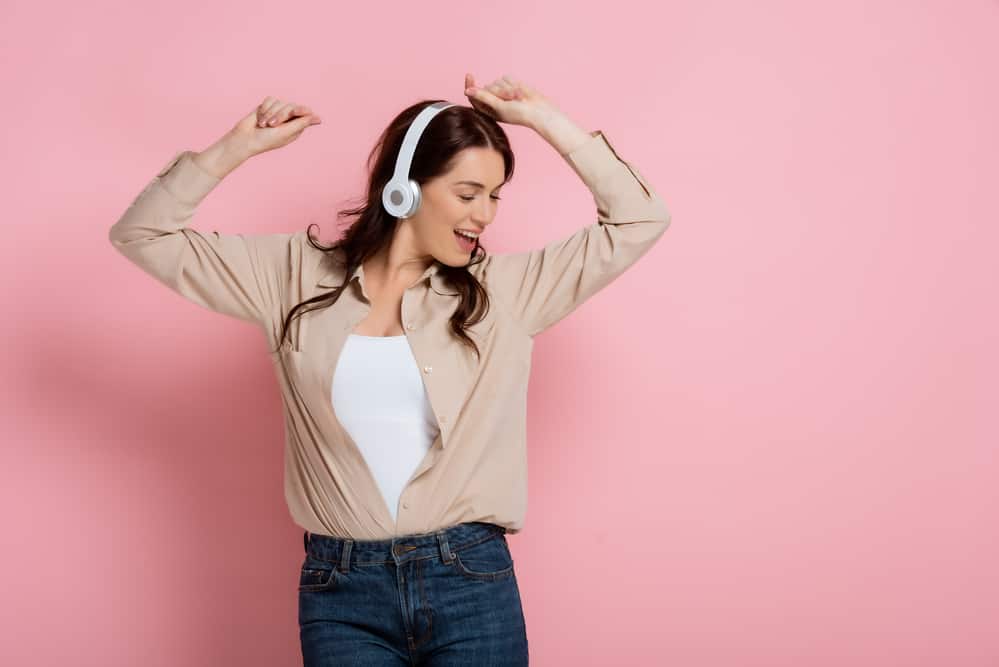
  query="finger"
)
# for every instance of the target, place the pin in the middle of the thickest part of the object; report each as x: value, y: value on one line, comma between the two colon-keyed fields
x: 268, y: 101
x: 516, y: 87
x: 295, y: 111
x: 299, y: 124
x: 268, y: 109
x: 509, y: 90
x: 276, y: 109
x: 487, y: 98
x: 524, y: 89
x: 261, y: 110
x: 267, y: 113
x: 280, y: 115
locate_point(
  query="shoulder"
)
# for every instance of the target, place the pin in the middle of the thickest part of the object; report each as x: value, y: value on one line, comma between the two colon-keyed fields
x: 326, y: 259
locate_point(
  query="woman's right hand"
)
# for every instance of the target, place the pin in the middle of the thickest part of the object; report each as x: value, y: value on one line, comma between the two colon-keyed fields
x: 273, y: 124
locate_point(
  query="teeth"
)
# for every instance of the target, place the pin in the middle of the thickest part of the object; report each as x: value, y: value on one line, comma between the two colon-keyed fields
x: 468, y: 234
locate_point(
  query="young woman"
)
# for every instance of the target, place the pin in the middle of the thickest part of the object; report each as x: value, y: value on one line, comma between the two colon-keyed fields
x: 403, y: 353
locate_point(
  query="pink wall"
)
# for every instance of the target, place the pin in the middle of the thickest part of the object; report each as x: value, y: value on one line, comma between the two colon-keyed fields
x: 787, y: 455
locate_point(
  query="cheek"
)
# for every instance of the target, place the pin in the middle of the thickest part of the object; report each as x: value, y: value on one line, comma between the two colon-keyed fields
x: 449, y: 215
x: 452, y: 209
x: 439, y: 224
x: 443, y: 210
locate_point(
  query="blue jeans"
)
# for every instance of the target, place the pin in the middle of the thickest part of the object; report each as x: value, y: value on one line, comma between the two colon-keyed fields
x: 445, y: 598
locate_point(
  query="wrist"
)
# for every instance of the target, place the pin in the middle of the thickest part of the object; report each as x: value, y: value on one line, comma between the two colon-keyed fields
x: 222, y: 156
x: 560, y: 131
x: 545, y: 118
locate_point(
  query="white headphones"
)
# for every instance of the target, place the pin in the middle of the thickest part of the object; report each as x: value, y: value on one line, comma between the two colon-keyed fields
x: 401, y: 196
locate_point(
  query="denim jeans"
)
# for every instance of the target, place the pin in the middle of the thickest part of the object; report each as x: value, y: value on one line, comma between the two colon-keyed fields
x: 445, y: 598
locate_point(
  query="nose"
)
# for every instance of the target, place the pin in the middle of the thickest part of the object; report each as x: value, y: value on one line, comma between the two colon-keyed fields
x: 482, y: 219
x: 484, y: 213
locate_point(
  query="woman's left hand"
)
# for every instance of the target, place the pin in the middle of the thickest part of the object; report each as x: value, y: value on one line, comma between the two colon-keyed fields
x: 509, y: 101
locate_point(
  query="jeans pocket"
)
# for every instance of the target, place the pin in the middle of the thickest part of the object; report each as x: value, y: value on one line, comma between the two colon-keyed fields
x: 317, y: 575
x: 485, y: 561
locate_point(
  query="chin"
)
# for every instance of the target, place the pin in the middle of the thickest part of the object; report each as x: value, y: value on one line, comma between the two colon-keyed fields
x: 456, y: 262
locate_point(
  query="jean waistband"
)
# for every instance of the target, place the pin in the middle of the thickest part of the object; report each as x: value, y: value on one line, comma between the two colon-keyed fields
x: 346, y: 551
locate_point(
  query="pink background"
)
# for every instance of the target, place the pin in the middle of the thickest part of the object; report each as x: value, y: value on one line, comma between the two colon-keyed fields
x: 786, y: 453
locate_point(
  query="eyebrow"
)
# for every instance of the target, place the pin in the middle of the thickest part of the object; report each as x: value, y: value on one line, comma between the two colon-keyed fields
x: 476, y: 184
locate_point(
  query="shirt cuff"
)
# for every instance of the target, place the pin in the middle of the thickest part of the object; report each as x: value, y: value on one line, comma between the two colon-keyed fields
x: 185, y: 180
x: 596, y: 157
x: 619, y: 189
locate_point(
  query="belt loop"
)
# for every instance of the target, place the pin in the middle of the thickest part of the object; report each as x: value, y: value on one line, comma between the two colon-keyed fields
x: 305, y: 540
x: 345, y: 554
x: 446, y: 554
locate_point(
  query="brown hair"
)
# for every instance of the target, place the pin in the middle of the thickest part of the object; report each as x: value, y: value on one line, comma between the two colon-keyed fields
x: 451, y: 131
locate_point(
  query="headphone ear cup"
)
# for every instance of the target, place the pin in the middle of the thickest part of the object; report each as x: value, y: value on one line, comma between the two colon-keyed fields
x: 396, y: 199
x: 417, y: 198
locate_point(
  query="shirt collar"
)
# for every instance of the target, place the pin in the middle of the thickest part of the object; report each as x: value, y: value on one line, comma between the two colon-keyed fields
x: 329, y: 277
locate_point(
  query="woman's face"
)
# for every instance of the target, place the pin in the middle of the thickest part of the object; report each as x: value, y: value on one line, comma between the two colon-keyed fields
x: 465, y: 198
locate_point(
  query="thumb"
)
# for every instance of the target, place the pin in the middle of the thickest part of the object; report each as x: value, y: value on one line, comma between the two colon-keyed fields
x: 300, y: 123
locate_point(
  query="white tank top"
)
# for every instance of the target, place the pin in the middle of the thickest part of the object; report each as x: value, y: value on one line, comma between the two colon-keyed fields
x: 379, y: 397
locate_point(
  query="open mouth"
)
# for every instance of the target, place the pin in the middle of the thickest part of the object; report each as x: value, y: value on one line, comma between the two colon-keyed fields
x: 466, y: 244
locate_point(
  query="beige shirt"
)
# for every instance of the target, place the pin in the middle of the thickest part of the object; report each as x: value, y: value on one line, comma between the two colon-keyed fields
x: 476, y: 469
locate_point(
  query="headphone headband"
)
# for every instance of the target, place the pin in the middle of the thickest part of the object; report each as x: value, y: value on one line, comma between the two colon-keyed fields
x: 401, y: 196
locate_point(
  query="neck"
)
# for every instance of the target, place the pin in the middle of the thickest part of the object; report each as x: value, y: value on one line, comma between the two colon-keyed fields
x: 394, y: 268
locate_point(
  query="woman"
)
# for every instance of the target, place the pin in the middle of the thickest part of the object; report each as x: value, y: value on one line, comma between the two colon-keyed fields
x: 403, y: 354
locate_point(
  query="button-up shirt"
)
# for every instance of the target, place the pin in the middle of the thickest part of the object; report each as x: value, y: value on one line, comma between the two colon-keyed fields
x: 476, y: 469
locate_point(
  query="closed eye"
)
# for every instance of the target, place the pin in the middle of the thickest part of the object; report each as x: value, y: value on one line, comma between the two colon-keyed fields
x: 470, y: 198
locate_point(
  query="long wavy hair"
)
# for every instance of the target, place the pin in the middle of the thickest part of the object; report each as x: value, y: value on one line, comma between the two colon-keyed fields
x: 371, y: 229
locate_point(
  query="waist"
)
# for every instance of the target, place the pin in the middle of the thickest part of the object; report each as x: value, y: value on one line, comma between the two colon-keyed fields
x: 347, y: 551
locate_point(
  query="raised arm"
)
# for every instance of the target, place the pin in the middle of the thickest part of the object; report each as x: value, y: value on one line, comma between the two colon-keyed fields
x: 240, y: 275
x: 544, y: 285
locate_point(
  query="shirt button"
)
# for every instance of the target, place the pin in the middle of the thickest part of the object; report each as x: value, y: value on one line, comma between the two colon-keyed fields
x: 405, y: 506
x: 410, y: 326
x: 428, y: 369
